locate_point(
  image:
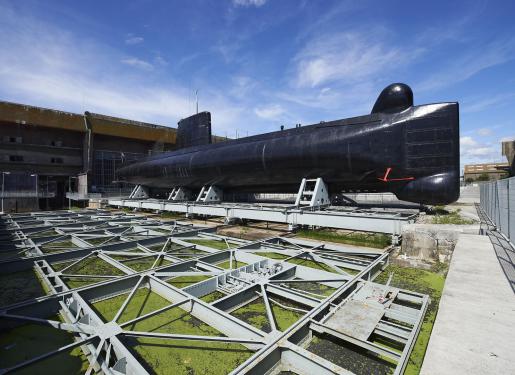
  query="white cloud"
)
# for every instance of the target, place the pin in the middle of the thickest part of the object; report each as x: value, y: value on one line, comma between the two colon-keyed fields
x: 69, y: 73
x: 131, y: 40
x: 467, y: 142
x: 137, y: 63
x: 477, y: 151
x: 248, y: 3
x: 484, y: 132
x: 348, y: 58
x: 471, y: 63
x: 481, y: 104
x: 270, y: 112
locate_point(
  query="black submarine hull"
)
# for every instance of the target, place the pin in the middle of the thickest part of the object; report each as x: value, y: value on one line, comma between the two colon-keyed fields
x: 413, y: 153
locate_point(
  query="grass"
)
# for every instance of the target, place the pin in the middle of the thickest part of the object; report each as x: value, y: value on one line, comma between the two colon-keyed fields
x: 184, y: 281
x: 30, y: 340
x: 93, y: 266
x: 20, y: 286
x: 235, y: 264
x: 422, y: 281
x: 375, y: 240
x: 173, y: 356
x: 215, y: 244
x: 443, y: 216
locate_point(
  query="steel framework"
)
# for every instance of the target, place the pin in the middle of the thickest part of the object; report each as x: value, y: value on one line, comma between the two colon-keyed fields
x: 140, y: 253
x: 331, y: 217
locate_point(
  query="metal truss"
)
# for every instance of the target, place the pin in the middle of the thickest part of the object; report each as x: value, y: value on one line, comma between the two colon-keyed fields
x: 140, y: 253
x: 331, y: 217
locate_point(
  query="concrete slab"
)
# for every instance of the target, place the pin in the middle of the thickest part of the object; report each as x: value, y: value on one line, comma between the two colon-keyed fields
x: 474, y: 332
x: 359, y: 316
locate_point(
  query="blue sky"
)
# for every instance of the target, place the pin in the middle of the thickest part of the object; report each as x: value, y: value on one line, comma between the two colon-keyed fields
x: 259, y: 64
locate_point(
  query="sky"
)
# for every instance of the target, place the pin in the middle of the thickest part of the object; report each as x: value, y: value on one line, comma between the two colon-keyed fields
x: 260, y: 64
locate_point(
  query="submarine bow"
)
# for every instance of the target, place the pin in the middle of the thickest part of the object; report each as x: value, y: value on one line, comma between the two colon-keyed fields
x: 411, y: 151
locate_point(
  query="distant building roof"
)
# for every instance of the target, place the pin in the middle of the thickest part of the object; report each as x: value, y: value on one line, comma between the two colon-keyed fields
x: 485, y: 167
x: 106, y: 125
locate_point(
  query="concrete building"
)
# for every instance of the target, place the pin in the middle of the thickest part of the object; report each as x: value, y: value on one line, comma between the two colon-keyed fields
x: 485, y: 171
x: 44, y: 153
x: 508, y: 150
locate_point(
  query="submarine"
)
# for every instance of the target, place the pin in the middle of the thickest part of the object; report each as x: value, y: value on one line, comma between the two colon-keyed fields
x: 409, y: 150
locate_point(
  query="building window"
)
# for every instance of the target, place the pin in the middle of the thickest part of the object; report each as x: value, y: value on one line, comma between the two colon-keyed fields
x: 15, y: 158
x: 56, y: 160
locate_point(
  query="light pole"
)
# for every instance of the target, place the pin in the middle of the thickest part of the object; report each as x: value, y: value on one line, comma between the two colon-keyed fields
x: 3, y: 184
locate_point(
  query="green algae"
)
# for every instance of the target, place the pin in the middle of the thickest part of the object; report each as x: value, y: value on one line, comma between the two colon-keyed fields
x: 20, y: 286
x: 254, y: 313
x: 184, y: 281
x: 235, y: 264
x: 183, y: 357
x: 422, y: 281
x: 94, y: 266
x: 348, y: 356
x: 164, y: 356
x: 215, y: 244
x: 144, y: 264
x: 272, y: 255
x: 56, y: 246
x: 211, y: 297
x: 299, y: 261
x: 311, y: 287
x: 58, y: 266
x: 30, y: 340
x: 375, y: 240
x: 77, y: 282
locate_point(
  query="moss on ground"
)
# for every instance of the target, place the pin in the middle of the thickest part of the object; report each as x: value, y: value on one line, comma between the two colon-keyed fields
x: 172, y: 356
x: 77, y: 282
x: 284, y: 318
x: 422, y: 281
x: 211, y: 297
x: 215, y: 244
x: 442, y: 216
x: 58, y: 266
x: 312, y: 287
x: 30, y: 340
x: 184, y: 281
x: 272, y: 255
x: 300, y: 261
x: 235, y: 264
x: 254, y: 314
x: 19, y: 286
x: 172, y: 215
x: 375, y: 240
x: 56, y: 246
x: 94, y: 266
x: 46, y: 233
x: 144, y: 264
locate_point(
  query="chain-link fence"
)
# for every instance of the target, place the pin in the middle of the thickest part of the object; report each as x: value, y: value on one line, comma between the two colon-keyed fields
x: 498, y: 202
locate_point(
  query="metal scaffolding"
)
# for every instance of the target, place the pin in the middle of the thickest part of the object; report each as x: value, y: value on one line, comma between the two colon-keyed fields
x: 84, y: 258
